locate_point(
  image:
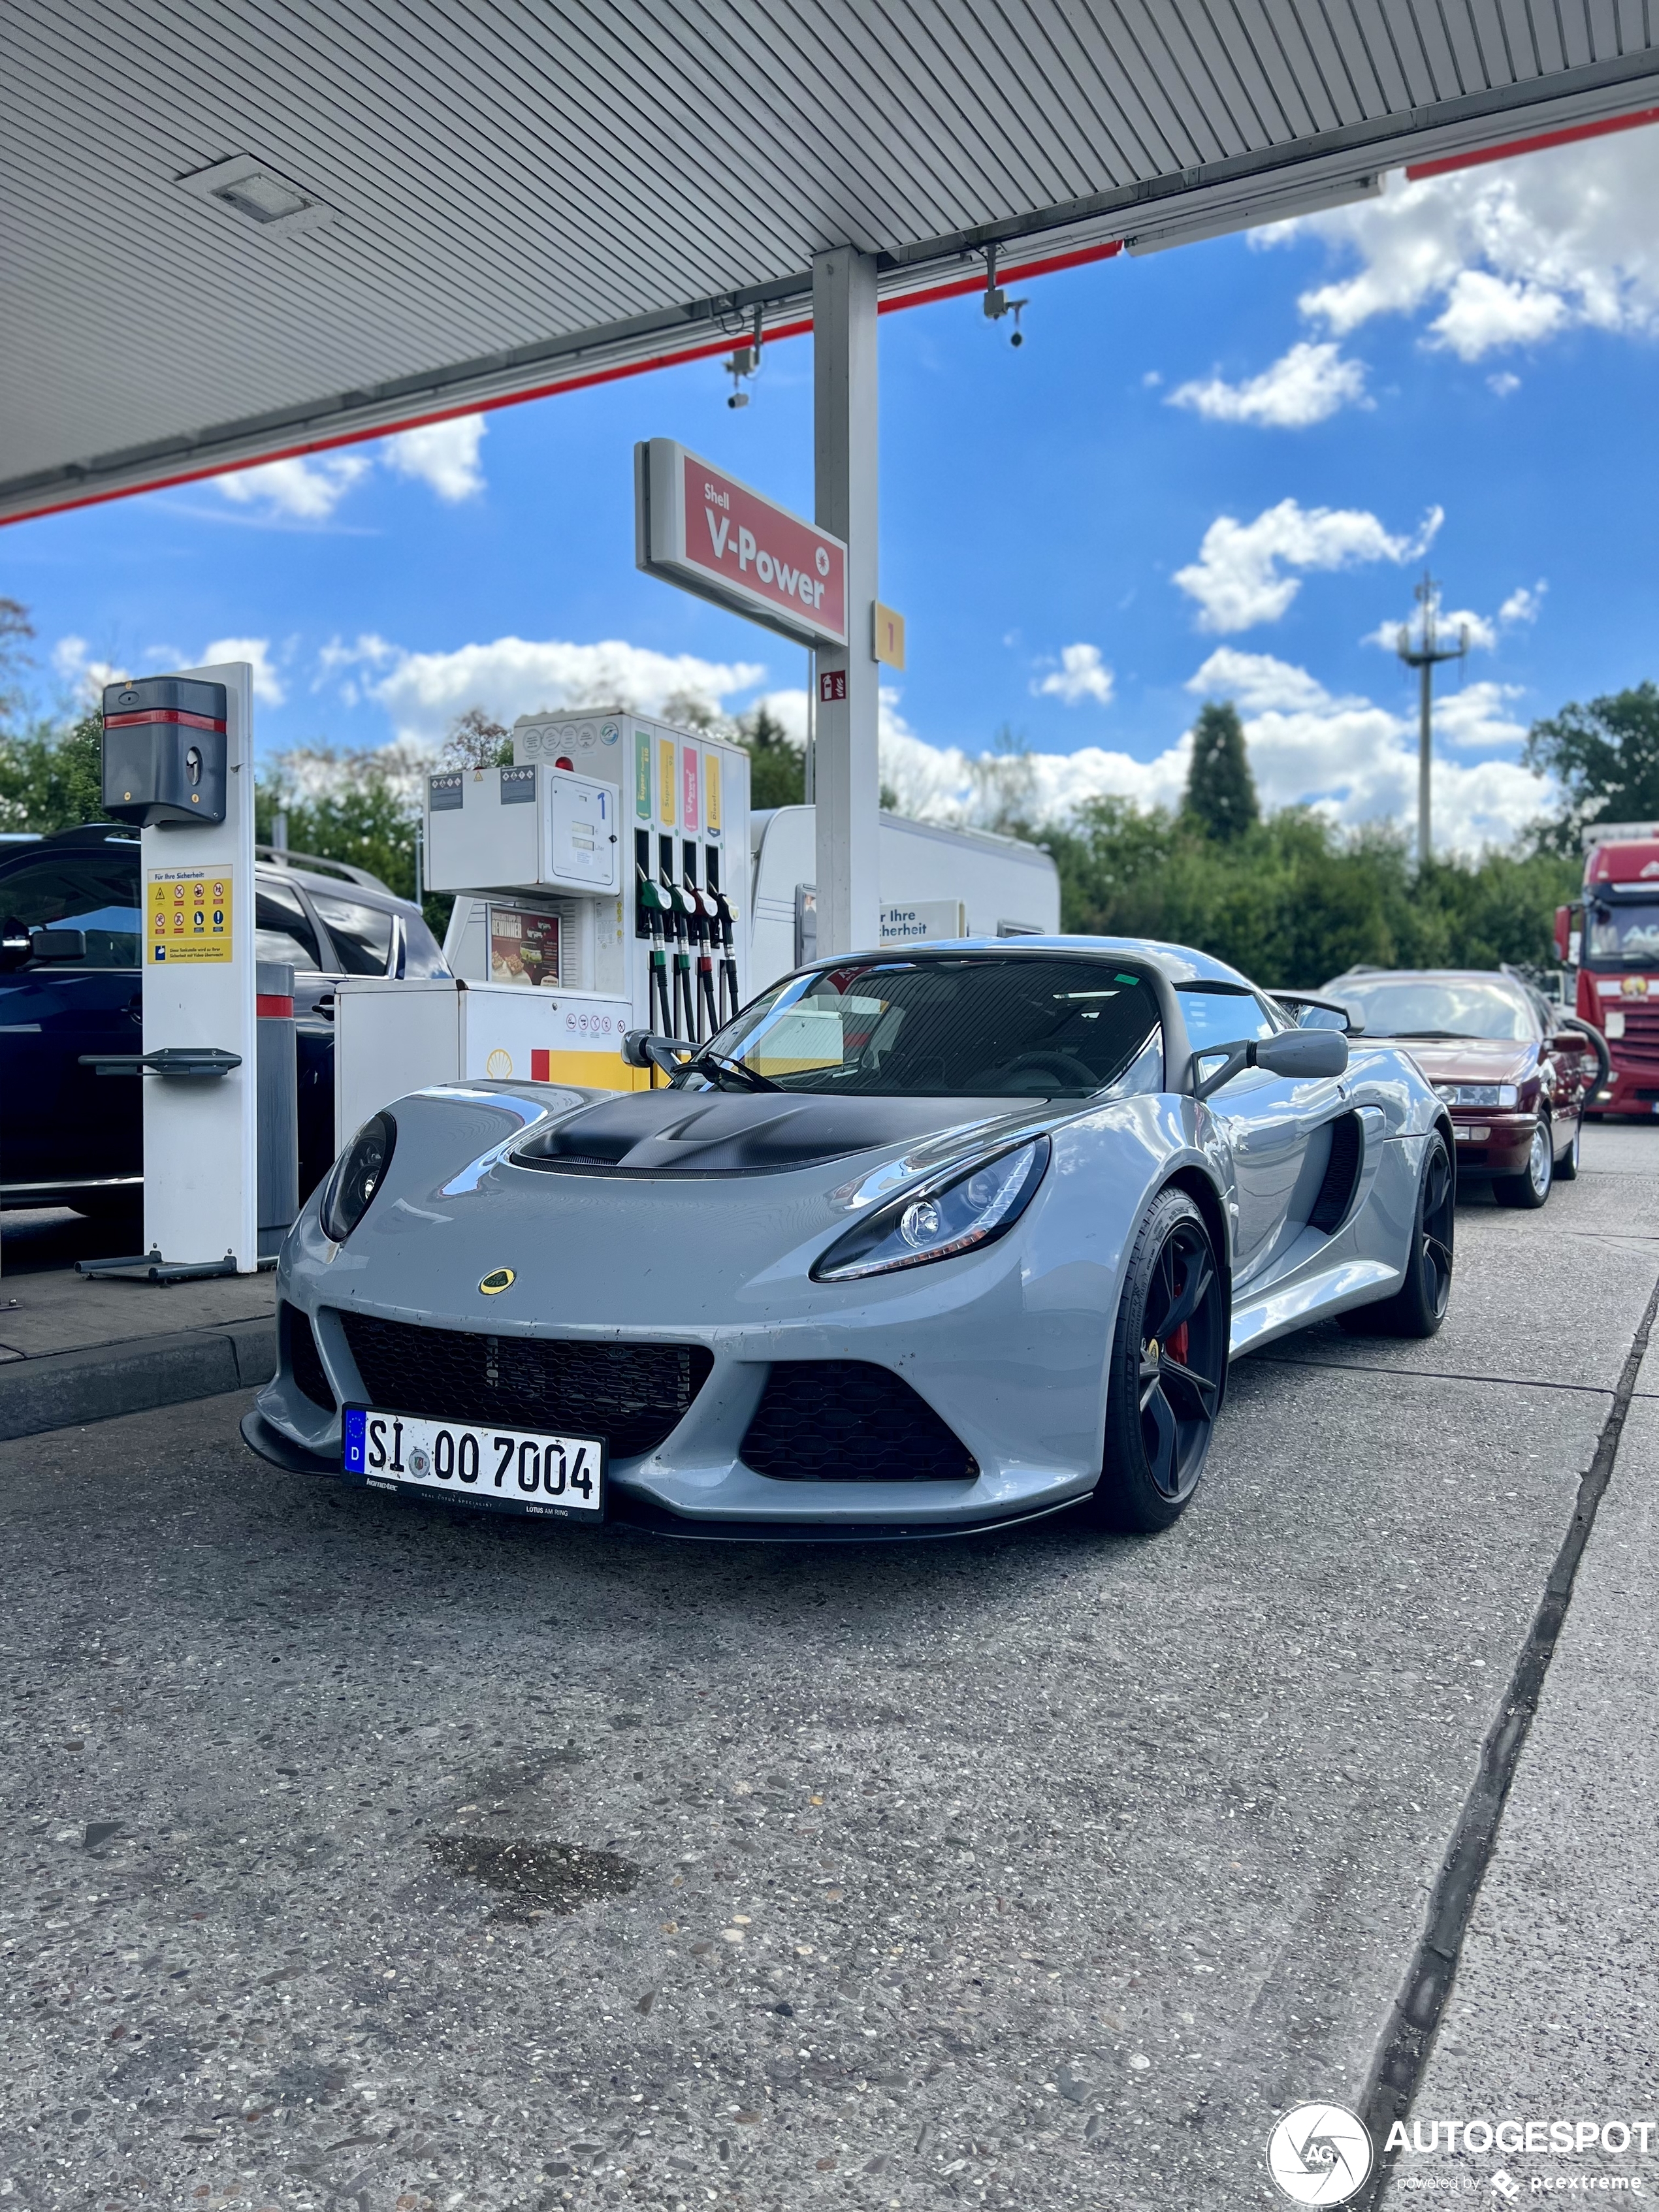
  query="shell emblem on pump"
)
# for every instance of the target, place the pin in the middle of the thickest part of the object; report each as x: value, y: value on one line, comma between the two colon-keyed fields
x: 497, y: 1280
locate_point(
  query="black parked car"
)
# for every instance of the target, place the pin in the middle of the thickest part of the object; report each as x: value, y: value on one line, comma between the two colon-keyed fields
x: 70, y: 1137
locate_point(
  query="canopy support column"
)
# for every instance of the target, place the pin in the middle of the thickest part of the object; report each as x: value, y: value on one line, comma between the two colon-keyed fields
x: 847, y: 780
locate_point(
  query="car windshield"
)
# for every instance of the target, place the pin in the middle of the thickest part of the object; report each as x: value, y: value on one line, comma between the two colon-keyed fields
x: 1439, y: 1007
x: 981, y: 1026
x: 1623, y: 936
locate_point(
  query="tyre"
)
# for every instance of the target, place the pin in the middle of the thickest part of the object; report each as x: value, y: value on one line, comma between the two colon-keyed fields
x: 1566, y: 1165
x: 1419, y: 1306
x: 1531, y: 1187
x: 1168, y: 1362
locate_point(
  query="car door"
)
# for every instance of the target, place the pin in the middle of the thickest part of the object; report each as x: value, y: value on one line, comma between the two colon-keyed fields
x: 60, y: 1122
x: 1267, y: 1122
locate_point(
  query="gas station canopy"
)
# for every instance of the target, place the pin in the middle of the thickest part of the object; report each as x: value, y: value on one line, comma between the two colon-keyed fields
x: 235, y: 231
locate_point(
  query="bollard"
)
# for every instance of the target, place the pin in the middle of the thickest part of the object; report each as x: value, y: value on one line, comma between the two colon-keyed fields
x: 279, y: 1107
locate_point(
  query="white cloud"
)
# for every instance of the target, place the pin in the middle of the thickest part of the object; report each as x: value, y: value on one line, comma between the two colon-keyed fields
x: 1475, y: 716
x: 1483, y: 311
x: 1502, y: 383
x: 423, y: 692
x: 1356, y: 762
x: 86, y: 678
x: 80, y: 674
x: 1307, y: 384
x: 1256, y: 680
x: 310, y: 490
x: 1081, y: 675
x: 1237, y: 581
x: 442, y: 454
x: 1523, y: 605
x: 1513, y: 252
x: 267, y: 684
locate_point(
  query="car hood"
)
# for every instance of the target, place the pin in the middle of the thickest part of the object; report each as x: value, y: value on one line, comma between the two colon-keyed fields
x: 1472, y: 1060
x: 659, y: 1132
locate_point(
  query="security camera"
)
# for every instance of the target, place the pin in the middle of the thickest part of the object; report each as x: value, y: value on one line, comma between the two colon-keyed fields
x: 739, y: 399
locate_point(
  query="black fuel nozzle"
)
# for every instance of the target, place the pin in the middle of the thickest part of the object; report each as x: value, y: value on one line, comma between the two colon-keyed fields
x: 728, y: 921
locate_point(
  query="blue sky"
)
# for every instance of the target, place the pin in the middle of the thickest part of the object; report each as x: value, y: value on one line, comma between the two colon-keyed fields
x: 1215, y: 470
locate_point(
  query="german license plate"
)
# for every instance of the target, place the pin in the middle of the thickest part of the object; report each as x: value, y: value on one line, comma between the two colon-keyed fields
x: 523, y: 1470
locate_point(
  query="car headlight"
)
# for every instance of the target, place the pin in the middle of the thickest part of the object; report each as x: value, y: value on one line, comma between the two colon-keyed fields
x: 1479, y: 1094
x: 937, y: 1219
x: 356, y: 1176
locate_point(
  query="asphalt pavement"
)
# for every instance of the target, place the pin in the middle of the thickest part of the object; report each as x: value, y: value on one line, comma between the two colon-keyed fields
x: 361, y: 1856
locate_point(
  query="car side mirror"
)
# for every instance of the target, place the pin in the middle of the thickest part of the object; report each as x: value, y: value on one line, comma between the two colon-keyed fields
x: 58, y: 945
x: 1304, y: 1056
x: 648, y: 1048
x: 1308, y: 1053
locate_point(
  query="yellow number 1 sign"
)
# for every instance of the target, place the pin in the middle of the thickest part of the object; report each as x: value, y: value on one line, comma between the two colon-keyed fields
x: 187, y: 916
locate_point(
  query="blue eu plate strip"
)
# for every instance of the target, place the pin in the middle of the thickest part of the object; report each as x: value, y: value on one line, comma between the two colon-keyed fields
x: 354, y: 1431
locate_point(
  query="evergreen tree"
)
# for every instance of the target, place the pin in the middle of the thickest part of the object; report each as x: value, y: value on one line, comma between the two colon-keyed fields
x: 777, y: 768
x: 1220, y: 789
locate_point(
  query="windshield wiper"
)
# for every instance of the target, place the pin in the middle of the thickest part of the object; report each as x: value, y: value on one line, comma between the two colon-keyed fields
x: 718, y: 1066
x: 1424, y: 1036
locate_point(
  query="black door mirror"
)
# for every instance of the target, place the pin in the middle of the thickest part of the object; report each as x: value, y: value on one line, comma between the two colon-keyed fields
x: 1304, y: 1056
x: 58, y: 945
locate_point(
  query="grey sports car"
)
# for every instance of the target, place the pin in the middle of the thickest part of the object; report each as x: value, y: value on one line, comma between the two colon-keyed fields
x: 919, y: 1244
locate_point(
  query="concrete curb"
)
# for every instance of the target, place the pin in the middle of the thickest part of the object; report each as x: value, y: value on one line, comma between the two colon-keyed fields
x: 64, y: 1390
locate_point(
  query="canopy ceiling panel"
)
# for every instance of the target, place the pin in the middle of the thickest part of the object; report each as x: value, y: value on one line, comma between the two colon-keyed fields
x: 234, y: 228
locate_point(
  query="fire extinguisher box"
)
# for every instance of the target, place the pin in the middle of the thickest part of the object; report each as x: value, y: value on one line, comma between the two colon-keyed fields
x: 164, y: 752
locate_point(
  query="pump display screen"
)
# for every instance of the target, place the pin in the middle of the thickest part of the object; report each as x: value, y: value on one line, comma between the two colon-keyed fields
x: 524, y: 945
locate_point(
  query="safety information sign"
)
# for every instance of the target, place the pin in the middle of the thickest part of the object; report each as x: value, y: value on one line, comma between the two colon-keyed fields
x: 187, y: 913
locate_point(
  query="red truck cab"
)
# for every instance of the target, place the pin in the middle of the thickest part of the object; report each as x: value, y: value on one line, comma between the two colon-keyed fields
x: 1612, y: 939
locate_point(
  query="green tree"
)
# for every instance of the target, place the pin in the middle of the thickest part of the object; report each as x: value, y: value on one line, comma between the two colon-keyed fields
x: 52, y: 778
x: 1220, y: 788
x: 362, y: 807
x: 1606, y: 758
x: 777, y: 766
x: 475, y: 739
x: 1293, y: 901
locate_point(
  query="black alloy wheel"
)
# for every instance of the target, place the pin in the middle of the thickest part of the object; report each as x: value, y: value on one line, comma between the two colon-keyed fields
x: 1167, y: 1370
x: 1419, y: 1306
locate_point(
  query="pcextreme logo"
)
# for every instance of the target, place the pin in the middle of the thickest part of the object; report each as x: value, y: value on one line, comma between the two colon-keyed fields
x: 1320, y: 2154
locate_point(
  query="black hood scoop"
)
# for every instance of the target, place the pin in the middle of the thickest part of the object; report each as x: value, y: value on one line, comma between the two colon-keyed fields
x: 659, y: 1132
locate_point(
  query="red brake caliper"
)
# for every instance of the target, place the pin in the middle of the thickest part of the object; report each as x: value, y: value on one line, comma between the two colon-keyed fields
x: 1176, y: 1345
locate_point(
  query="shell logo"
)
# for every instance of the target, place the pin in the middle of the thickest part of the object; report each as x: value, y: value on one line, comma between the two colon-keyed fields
x: 498, y: 1064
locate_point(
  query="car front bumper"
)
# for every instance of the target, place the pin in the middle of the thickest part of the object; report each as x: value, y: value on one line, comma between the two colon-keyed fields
x: 1491, y: 1143
x: 1007, y: 1347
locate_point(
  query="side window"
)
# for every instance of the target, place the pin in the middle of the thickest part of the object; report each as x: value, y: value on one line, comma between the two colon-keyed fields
x: 1215, y: 1019
x: 283, y: 929
x: 96, y: 893
x: 361, y: 934
x: 423, y: 955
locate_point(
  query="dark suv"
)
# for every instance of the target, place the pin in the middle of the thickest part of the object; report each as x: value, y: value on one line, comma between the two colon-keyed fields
x: 70, y: 1137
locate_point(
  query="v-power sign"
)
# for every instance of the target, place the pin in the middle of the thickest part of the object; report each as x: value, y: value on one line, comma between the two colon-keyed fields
x: 699, y: 528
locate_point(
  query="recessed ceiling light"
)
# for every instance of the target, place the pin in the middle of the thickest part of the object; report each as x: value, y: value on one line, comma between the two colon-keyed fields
x: 254, y: 191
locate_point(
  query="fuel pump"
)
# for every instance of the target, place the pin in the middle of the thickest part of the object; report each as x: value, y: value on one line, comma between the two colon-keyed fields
x: 587, y: 905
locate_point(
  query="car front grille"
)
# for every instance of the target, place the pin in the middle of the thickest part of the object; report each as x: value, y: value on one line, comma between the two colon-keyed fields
x: 305, y: 1362
x: 845, y: 1421
x: 634, y: 1396
x: 1639, y: 1045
